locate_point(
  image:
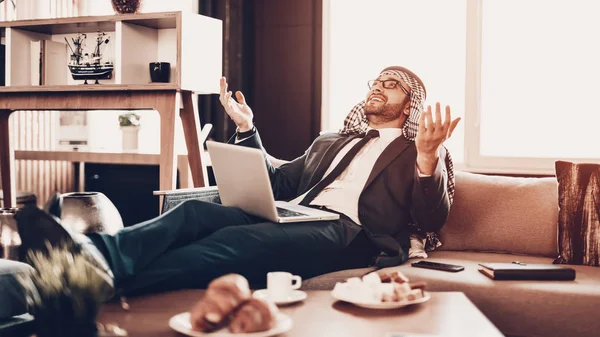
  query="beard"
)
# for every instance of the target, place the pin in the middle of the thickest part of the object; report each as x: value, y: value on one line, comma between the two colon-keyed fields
x: 383, y: 113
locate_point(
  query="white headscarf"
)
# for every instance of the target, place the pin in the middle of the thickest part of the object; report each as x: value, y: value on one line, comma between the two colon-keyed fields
x: 356, y: 121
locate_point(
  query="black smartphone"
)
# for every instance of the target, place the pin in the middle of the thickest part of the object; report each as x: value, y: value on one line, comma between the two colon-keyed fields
x: 438, y: 266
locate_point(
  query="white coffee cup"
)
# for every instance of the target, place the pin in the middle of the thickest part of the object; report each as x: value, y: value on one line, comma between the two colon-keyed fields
x: 280, y: 284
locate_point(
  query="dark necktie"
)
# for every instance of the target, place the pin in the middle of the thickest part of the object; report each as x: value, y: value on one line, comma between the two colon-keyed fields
x: 341, y: 166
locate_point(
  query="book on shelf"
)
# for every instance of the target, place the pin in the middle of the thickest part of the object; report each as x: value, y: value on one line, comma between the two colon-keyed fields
x: 526, y: 271
x: 48, y: 63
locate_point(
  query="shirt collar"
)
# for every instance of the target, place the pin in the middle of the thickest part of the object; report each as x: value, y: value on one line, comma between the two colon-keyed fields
x: 388, y: 133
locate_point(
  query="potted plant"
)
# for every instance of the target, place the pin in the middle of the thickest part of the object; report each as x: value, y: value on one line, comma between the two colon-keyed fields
x: 130, y: 126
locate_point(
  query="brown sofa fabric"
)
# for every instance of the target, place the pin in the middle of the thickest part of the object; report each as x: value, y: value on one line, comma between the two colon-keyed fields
x: 579, y: 214
x: 503, y: 214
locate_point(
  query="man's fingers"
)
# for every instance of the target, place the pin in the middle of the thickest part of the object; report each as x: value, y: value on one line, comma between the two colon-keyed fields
x: 227, y: 99
x: 222, y: 84
x: 453, y: 126
x: 240, y: 97
x: 438, y: 116
x: 428, y: 120
x: 448, y: 118
x: 422, y: 122
x: 225, y: 85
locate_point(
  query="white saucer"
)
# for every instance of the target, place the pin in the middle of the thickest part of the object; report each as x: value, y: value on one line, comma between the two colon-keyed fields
x: 295, y: 296
x: 181, y: 323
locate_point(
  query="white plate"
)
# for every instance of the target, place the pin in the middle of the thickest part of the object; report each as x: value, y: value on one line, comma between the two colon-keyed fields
x: 181, y: 323
x: 383, y: 305
x: 295, y: 296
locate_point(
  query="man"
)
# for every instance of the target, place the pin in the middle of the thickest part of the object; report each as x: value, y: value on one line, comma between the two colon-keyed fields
x: 378, y: 182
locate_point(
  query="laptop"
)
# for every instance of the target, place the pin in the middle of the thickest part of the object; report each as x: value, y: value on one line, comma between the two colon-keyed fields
x: 243, y: 182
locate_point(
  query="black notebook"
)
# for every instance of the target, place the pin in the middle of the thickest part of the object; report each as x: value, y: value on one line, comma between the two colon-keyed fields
x: 524, y: 271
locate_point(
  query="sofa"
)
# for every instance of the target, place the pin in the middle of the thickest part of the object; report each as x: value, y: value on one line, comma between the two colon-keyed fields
x: 505, y: 219
x: 493, y: 219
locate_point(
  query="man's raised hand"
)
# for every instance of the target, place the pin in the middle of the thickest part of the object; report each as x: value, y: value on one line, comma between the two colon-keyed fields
x: 431, y: 135
x: 239, y: 111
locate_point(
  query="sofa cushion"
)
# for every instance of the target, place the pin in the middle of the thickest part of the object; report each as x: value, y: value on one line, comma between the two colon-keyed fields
x: 12, y: 300
x: 518, y: 308
x: 579, y: 213
x: 503, y: 214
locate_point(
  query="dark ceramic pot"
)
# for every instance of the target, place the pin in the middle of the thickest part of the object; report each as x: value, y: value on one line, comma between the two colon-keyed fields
x: 89, y: 212
x: 126, y: 6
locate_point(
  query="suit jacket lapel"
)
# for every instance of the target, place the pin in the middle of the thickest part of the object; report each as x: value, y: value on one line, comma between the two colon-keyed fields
x: 328, y: 157
x: 390, y: 153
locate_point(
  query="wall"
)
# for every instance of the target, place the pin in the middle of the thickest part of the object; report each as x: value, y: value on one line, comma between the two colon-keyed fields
x: 286, y: 74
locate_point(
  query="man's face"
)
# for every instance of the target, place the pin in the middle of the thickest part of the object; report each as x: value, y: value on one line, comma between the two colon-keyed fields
x: 384, y: 103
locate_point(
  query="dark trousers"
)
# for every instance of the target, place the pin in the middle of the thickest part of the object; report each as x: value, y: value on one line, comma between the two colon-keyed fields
x: 195, y: 242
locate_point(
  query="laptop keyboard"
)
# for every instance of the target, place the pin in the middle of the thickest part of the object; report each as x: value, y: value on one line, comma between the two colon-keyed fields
x: 284, y: 213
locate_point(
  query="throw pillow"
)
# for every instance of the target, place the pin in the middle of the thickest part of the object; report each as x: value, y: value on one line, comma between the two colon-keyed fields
x: 579, y: 213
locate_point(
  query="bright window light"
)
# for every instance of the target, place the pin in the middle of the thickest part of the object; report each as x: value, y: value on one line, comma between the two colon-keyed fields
x: 363, y: 37
x: 539, y: 78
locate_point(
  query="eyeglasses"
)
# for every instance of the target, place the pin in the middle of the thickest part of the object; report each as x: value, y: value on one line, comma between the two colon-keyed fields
x: 387, y: 84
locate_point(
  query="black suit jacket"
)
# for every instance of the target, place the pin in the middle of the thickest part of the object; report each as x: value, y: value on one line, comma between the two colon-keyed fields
x: 393, y: 196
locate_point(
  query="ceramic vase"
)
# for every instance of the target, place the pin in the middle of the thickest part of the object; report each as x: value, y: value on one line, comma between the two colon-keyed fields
x: 126, y: 6
x: 89, y: 212
x: 130, y: 137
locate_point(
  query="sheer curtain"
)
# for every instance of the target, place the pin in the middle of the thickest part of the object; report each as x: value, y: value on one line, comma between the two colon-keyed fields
x: 539, y: 79
x: 363, y: 37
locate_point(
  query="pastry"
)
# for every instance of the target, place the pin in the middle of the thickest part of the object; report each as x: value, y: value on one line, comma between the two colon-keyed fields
x: 254, y: 316
x: 223, y: 296
x: 417, y: 285
x: 414, y: 294
x: 394, y: 276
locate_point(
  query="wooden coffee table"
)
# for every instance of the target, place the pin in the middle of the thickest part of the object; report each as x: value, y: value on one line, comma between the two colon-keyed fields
x: 445, y: 314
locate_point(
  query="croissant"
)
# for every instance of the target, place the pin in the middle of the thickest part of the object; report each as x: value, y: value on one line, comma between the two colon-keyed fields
x: 254, y: 316
x: 223, y: 296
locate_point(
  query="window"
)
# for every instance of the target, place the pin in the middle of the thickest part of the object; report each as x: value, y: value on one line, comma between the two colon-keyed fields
x: 363, y: 37
x: 539, y: 79
x: 523, y: 73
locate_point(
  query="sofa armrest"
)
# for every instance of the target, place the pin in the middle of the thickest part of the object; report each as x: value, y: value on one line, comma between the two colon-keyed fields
x: 173, y: 198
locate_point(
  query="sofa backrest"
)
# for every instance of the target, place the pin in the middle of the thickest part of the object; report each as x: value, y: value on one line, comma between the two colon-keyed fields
x: 503, y: 214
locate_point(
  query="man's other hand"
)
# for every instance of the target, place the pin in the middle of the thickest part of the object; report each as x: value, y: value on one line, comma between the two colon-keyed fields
x: 431, y: 135
x: 239, y: 111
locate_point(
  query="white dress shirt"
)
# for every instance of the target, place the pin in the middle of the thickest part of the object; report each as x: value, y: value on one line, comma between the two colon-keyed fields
x: 342, y: 194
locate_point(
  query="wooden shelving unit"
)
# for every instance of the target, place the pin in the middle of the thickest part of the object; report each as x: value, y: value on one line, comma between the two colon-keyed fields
x: 188, y: 41
x: 192, y: 43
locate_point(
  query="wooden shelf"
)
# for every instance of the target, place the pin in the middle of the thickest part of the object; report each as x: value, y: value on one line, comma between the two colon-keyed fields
x: 86, y: 24
x: 108, y: 157
x: 90, y: 87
